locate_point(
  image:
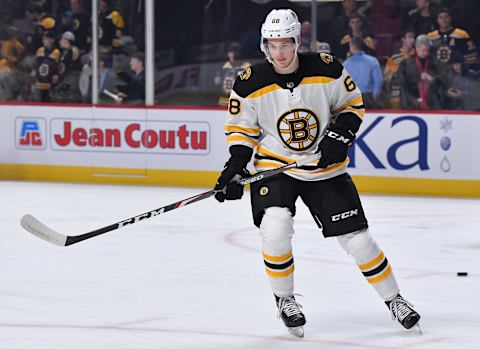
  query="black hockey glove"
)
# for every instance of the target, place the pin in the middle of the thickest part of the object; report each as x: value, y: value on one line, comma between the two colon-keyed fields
x: 234, y: 170
x: 334, y: 145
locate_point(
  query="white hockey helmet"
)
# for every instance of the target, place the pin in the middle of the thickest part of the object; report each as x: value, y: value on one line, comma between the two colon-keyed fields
x: 280, y: 24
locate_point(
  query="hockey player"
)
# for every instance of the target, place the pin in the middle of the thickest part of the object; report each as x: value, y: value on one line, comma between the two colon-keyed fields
x: 288, y: 107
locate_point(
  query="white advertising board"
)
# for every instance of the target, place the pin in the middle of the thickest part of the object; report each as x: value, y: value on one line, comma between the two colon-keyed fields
x: 433, y: 146
x: 176, y: 139
x: 420, y: 146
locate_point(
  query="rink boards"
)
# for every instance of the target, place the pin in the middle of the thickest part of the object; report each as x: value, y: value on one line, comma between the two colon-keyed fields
x: 395, y: 152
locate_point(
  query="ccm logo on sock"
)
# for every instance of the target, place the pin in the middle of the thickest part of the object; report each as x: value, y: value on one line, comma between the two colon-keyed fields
x: 345, y: 215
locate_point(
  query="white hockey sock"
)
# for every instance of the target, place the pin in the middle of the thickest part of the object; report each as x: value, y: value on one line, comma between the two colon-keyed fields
x: 372, y: 262
x: 276, y: 230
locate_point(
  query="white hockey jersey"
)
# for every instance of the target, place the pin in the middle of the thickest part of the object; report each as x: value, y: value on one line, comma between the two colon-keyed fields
x: 283, y: 117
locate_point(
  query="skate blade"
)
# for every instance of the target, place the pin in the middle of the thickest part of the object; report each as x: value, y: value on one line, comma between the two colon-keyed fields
x: 418, y: 328
x: 296, y: 331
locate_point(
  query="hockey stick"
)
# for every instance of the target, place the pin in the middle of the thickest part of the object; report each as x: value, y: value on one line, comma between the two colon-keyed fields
x: 37, y: 228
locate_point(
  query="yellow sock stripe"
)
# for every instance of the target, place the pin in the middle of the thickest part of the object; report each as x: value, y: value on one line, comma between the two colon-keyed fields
x: 277, y: 259
x: 373, y: 262
x: 281, y: 274
x: 382, y: 276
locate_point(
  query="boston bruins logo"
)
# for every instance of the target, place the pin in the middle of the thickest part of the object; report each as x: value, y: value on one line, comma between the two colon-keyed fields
x: 298, y: 129
x: 326, y: 58
x: 444, y: 53
x: 264, y: 191
x: 245, y: 75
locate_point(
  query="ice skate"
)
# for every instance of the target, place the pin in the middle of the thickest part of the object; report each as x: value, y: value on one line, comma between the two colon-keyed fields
x: 291, y: 314
x: 402, y: 311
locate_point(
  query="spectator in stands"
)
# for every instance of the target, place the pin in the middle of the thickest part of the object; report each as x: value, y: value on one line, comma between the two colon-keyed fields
x: 43, y: 23
x: 46, y: 68
x: 448, y: 39
x: 69, y: 55
x: 106, y: 80
x: 11, y: 52
x: 80, y: 26
x: 66, y: 80
x: 422, y: 18
x: 366, y: 72
x: 392, y: 84
x: 422, y: 78
x: 356, y: 30
x: 340, y: 26
x: 306, y: 44
x: 110, y: 24
x: 11, y: 49
x: 324, y: 47
x: 135, y: 93
x: 231, y: 68
x: 463, y: 89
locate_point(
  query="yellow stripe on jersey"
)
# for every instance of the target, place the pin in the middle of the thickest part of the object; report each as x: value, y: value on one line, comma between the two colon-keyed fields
x: 264, y: 91
x: 262, y: 150
x: 361, y: 112
x: 316, y: 80
x: 249, y: 131
x: 357, y: 100
x: 267, y: 164
x: 373, y: 262
x: 270, y: 164
x: 240, y: 138
x: 277, y: 259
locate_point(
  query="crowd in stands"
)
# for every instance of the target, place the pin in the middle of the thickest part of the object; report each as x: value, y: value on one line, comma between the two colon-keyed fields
x: 45, y: 53
x: 403, y: 54
x: 432, y: 64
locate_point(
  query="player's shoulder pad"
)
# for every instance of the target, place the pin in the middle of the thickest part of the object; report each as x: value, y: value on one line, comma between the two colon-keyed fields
x: 320, y: 64
x: 459, y: 34
x: 253, y: 78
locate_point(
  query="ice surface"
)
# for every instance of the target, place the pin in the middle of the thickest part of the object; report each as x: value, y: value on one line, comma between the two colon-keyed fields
x: 194, y: 277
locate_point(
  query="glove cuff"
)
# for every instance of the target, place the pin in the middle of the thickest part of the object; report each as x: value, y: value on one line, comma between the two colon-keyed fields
x: 240, y: 155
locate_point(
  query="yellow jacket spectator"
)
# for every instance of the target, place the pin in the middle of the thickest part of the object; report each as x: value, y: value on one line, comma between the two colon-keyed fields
x: 391, y: 83
x: 11, y: 50
x: 110, y: 24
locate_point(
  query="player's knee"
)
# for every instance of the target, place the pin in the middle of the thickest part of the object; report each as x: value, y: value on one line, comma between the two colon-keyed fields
x: 356, y: 241
x: 277, y: 228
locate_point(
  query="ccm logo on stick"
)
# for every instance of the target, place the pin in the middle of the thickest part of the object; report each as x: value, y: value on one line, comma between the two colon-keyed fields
x: 345, y: 215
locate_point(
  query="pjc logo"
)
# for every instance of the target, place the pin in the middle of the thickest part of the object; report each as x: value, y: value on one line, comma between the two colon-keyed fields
x: 30, y: 133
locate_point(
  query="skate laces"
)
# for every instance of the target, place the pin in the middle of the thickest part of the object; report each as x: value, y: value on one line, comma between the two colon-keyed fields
x: 289, y: 305
x: 400, y: 308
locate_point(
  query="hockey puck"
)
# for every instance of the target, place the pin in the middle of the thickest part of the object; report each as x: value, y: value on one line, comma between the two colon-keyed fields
x: 460, y: 273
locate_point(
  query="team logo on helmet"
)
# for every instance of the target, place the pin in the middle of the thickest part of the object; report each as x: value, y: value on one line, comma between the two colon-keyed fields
x: 298, y: 129
x: 245, y: 75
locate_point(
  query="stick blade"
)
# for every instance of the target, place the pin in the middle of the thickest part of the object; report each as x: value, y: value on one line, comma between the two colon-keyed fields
x: 37, y: 228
